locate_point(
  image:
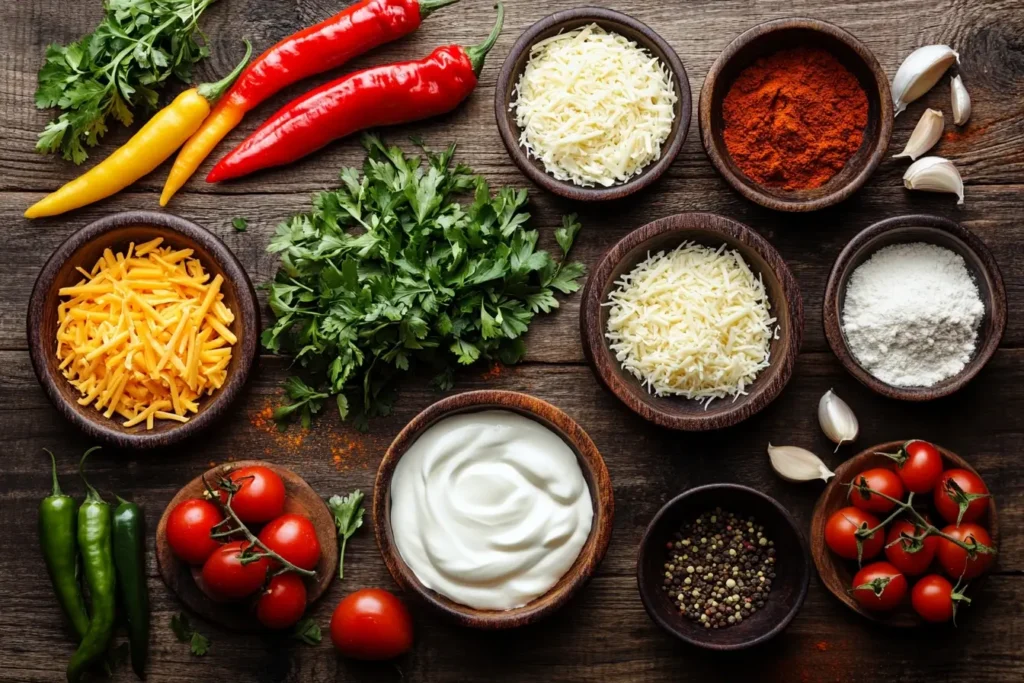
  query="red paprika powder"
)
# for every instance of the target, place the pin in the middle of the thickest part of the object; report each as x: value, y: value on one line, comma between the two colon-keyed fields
x: 794, y: 118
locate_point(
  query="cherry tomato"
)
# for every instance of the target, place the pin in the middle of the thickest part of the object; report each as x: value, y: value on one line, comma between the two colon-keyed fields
x: 188, y: 530
x: 922, y: 467
x: 371, y: 624
x: 934, y: 599
x: 841, y: 529
x: 956, y: 561
x: 973, y: 494
x: 897, y: 550
x: 260, y: 495
x: 293, y: 537
x: 879, y: 587
x: 283, y: 603
x: 878, y: 479
x: 226, y: 577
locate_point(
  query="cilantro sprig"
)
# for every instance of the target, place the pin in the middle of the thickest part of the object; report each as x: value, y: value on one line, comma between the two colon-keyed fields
x: 348, y: 517
x: 391, y: 271
x: 183, y: 631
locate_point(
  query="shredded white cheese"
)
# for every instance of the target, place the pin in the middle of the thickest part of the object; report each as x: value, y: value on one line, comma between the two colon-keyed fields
x: 593, y: 107
x: 694, y: 322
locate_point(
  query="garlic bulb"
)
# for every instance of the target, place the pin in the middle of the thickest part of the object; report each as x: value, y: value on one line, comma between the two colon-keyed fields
x: 796, y: 464
x: 926, y: 133
x: 837, y: 419
x: 961, y: 101
x: 919, y: 72
x: 934, y: 174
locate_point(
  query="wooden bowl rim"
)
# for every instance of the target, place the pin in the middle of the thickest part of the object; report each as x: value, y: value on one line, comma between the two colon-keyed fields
x: 879, y: 145
x: 228, y: 614
x: 248, y: 314
x: 592, y: 334
x: 647, y: 543
x: 824, y: 561
x: 995, y: 306
x: 509, y: 133
x: 590, y: 461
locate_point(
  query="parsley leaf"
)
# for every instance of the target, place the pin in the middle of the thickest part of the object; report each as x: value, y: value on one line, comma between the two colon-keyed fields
x: 239, y: 224
x: 305, y: 401
x: 307, y: 631
x: 348, y: 517
x: 183, y: 631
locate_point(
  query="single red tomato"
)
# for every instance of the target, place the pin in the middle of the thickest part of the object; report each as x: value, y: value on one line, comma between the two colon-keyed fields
x: 188, y: 530
x: 260, y: 495
x: 283, y: 603
x: 371, y: 624
x: 293, y: 537
x: 961, y: 496
x: 879, y: 587
x: 227, y: 577
x: 899, y: 550
x: 921, y: 466
x: 841, y: 533
x: 956, y: 561
x: 881, y: 481
x: 935, y: 599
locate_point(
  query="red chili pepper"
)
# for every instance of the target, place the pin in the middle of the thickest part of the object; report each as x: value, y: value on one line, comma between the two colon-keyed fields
x: 382, y: 95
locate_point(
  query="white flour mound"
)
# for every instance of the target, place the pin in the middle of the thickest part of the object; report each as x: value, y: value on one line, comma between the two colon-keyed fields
x: 912, y: 313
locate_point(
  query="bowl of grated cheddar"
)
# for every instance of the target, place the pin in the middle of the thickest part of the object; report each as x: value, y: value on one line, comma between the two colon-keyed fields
x: 142, y: 329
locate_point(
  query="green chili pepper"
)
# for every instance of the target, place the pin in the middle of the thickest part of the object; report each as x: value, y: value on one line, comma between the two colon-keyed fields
x: 94, y: 542
x: 130, y: 562
x: 60, y: 552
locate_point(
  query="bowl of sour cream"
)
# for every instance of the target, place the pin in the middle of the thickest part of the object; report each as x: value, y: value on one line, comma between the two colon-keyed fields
x: 494, y: 507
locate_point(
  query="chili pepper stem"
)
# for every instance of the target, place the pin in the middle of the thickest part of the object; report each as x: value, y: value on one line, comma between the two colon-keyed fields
x: 213, y: 91
x: 478, y: 53
x: 428, y: 7
x: 56, y: 484
x: 93, y: 493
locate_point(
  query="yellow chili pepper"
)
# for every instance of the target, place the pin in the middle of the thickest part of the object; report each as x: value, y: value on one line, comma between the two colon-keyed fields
x: 151, y: 146
x: 225, y: 116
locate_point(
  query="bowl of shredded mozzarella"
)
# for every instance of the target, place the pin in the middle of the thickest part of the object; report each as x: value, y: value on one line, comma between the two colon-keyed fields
x: 592, y: 104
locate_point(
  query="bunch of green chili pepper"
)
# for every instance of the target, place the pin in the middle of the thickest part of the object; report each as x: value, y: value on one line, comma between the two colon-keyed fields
x: 111, y: 549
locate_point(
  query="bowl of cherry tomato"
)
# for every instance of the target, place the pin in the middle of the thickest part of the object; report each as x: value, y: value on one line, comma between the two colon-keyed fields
x: 902, y: 530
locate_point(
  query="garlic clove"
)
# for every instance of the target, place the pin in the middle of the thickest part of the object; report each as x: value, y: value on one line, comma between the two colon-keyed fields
x: 919, y: 72
x: 926, y: 133
x: 934, y: 174
x: 961, y: 101
x: 796, y: 464
x: 837, y: 419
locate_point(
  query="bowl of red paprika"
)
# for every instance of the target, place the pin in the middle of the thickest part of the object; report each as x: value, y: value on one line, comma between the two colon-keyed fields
x: 796, y: 114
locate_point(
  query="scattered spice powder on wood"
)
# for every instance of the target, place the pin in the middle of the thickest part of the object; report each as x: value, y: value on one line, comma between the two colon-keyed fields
x: 496, y: 371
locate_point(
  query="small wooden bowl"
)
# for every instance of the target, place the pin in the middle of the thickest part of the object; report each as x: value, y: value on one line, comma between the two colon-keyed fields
x: 186, y: 582
x: 611, y: 21
x: 712, y: 230
x: 83, y: 249
x: 933, y: 230
x: 837, y: 573
x: 770, y: 37
x: 594, y: 471
x: 793, y: 567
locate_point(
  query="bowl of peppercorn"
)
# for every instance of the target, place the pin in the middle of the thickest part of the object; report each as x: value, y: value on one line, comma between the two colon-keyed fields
x: 723, y: 567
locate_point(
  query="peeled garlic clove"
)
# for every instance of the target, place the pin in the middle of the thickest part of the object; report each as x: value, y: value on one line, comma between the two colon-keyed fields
x: 961, y: 101
x: 926, y: 133
x: 796, y: 464
x: 934, y: 174
x: 837, y: 419
x: 919, y: 72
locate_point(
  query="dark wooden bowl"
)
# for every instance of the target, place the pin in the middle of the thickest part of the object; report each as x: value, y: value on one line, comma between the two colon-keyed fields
x: 83, y: 249
x: 933, y: 230
x: 611, y: 21
x: 594, y: 471
x: 792, y: 570
x: 770, y: 37
x: 712, y: 230
x: 186, y: 581
x: 837, y: 573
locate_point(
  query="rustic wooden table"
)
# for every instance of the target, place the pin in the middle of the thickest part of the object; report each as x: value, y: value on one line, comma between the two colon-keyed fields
x: 604, y: 634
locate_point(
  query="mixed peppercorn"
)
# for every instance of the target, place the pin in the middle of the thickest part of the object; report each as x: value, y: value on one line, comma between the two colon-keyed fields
x: 719, y: 569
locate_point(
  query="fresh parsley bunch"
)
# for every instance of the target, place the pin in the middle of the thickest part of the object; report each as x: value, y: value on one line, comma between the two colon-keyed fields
x: 137, y: 46
x: 391, y: 270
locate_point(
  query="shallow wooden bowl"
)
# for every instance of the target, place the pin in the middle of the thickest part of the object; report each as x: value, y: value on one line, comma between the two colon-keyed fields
x: 186, y: 582
x: 712, y: 230
x: 792, y: 570
x: 837, y: 573
x: 933, y: 230
x: 611, y: 21
x: 770, y: 37
x: 83, y: 249
x: 594, y: 471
